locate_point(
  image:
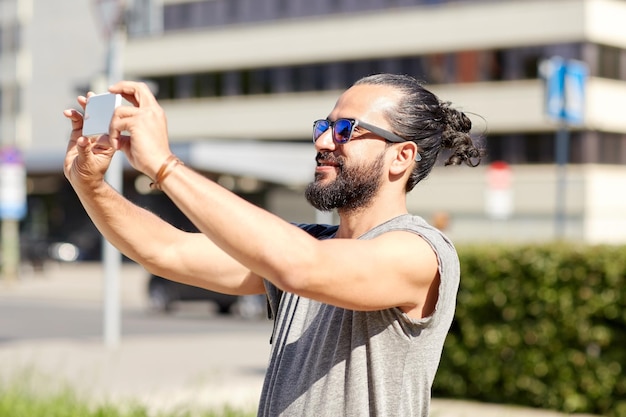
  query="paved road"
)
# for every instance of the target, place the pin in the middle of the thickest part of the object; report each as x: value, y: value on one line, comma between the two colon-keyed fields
x: 26, y: 319
x: 51, y: 325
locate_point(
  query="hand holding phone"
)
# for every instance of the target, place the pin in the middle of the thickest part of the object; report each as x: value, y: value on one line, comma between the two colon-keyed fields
x: 99, y: 112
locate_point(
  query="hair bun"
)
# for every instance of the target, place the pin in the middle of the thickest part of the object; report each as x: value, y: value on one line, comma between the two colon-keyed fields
x: 456, y: 137
x: 455, y: 119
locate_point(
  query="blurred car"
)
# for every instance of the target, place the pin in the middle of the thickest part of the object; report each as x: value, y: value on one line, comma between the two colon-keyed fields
x: 38, y: 251
x: 165, y: 294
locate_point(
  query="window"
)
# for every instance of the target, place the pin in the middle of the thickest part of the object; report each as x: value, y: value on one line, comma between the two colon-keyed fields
x: 164, y: 87
x: 461, y: 66
x: 535, y: 148
x: 609, y: 60
x: 10, y: 38
x: 184, y: 86
x: 232, y: 10
x: 468, y: 66
x: 282, y: 8
x: 176, y: 17
x: 194, y: 13
x: 10, y: 100
x: 611, y: 148
x: 231, y: 83
x: 209, y: 85
x: 539, y: 148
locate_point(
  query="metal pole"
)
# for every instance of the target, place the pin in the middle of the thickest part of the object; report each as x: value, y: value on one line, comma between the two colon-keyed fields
x: 111, y: 257
x: 10, y: 250
x: 561, y: 151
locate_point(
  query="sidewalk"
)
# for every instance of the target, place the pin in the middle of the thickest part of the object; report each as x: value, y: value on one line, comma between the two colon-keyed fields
x: 76, y: 283
x: 163, y: 372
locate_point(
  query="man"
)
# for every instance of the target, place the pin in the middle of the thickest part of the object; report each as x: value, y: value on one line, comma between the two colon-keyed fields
x: 361, y: 310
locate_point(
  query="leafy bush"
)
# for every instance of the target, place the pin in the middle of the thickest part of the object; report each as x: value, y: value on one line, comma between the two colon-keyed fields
x: 541, y: 326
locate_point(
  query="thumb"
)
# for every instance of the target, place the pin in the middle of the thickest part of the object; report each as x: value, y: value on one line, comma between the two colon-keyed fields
x: 82, y: 154
x: 84, y: 147
x: 91, y: 159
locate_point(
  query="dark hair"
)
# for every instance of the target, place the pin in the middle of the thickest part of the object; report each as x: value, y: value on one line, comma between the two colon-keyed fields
x: 421, y: 117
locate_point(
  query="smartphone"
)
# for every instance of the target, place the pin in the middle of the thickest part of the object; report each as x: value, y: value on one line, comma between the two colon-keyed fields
x: 99, y: 112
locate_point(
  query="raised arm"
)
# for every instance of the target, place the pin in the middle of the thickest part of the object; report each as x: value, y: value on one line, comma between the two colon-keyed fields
x: 142, y: 236
x: 397, y: 269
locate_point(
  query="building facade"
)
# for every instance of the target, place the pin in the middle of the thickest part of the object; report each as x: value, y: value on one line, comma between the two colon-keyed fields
x: 242, y: 80
x: 227, y: 70
x: 49, y: 53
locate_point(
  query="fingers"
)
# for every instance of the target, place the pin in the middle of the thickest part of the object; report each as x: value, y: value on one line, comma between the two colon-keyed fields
x: 86, y: 158
x: 121, y: 122
x: 137, y: 93
x: 76, y: 138
x: 76, y: 118
x: 124, y: 112
x: 73, y: 114
x: 123, y: 142
x: 113, y: 139
x: 82, y: 100
x: 76, y: 150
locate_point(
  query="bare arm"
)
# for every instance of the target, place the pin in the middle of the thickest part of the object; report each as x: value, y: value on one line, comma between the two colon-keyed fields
x: 161, y: 248
x: 397, y: 269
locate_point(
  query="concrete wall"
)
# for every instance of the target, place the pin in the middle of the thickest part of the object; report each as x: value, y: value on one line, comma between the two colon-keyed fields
x: 605, y: 204
x: 61, y: 48
x: 595, y: 204
x: 408, y: 31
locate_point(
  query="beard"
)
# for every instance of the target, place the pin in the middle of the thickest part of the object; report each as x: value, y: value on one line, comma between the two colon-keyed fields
x: 353, y: 189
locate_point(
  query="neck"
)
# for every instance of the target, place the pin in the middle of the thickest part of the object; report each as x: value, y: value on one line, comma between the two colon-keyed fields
x: 354, y: 223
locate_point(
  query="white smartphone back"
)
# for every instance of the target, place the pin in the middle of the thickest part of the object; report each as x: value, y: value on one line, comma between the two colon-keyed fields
x: 99, y: 112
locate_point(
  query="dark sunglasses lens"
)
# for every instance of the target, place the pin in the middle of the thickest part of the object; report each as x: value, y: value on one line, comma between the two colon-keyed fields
x: 319, y: 127
x: 342, y: 130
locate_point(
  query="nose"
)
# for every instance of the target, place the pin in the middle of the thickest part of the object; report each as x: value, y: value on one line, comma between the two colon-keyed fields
x: 325, y: 141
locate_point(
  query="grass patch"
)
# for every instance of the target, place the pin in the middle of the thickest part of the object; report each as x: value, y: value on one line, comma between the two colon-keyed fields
x: 22, y: 400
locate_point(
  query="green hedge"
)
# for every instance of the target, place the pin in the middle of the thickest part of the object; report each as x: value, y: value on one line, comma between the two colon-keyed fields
x: 541, y: 326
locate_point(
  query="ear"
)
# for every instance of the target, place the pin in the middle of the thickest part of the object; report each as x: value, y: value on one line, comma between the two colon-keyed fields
x: 404, y: 157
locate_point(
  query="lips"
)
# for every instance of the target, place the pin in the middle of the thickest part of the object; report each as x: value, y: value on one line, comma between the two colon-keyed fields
x: 326, y: 164
x: 326, y: 161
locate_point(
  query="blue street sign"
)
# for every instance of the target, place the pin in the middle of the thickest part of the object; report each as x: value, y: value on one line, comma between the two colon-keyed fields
x: 553, y: 71
x: 12, y: 185
x: 565, y: 82
x: 574, y: 82
x: 565, y: 103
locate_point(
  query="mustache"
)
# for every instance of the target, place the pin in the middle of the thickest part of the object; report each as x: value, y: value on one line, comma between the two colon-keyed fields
x: 329, y: 157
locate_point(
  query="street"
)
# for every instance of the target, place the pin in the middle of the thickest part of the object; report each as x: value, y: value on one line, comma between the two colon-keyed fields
x: 65, y: 301
x: 51, y: 329
x: 32, y: 319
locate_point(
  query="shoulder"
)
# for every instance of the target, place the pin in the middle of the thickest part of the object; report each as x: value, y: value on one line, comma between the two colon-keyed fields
x: 440, y: 244
x: 409, y: 223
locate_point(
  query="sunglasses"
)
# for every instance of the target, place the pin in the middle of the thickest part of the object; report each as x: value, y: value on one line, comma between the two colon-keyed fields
x: 342, y: 130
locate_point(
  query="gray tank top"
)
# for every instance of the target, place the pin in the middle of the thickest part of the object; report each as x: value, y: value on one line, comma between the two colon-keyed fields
x: 329, y: 361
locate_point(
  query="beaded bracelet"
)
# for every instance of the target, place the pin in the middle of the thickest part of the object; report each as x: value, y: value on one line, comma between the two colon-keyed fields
x: 166, y: 169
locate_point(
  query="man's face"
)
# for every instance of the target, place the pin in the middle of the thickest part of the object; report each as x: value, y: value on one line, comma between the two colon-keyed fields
x: 349, y: 176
